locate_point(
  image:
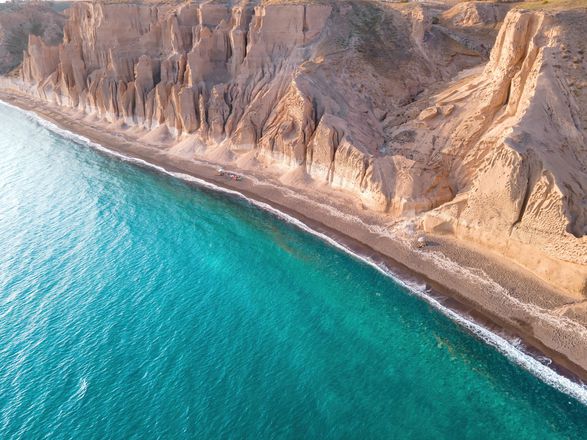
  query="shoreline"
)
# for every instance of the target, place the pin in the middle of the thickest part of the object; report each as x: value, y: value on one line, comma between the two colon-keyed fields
x: 458, y: 297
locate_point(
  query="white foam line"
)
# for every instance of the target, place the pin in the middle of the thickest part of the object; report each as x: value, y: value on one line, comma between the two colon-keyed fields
x: 507, y: 348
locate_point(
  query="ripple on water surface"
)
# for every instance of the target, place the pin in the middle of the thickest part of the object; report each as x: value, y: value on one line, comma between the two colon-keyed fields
x: 133, y: 306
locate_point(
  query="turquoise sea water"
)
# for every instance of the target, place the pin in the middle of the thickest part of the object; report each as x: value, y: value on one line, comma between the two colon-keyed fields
x: 133, y: 306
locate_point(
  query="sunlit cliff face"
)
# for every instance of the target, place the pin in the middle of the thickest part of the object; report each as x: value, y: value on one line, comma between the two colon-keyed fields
x: 373, y: 100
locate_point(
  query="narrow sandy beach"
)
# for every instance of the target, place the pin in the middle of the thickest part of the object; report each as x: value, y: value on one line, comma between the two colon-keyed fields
x: 485, y: 287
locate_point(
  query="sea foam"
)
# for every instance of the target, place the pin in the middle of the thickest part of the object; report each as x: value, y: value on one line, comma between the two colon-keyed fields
x: 512, y: 349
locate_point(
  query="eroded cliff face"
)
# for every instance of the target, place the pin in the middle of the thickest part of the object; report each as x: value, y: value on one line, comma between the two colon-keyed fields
x: 359, y: 96
x: 305, y: 84
x: 518, y: 148
x: 18, y: 21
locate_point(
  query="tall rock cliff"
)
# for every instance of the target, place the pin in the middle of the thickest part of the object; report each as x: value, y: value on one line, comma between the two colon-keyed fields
x: 368, y: 97
x: 310, y: 84
x: 18, y: 21
x: 517, y: 143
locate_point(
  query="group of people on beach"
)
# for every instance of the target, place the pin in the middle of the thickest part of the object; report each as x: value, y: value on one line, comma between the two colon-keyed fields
x: 231, y: 176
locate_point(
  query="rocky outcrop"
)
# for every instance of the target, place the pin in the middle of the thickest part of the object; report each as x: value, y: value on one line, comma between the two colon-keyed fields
x: 474, y: 24
x: 360, y: 96
x: 474, y: 14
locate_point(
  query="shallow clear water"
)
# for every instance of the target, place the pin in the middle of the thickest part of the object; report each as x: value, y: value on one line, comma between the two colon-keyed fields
x: 134, y: 306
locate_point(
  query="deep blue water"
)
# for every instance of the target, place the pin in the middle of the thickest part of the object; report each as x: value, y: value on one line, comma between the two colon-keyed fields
x: 135, y: 307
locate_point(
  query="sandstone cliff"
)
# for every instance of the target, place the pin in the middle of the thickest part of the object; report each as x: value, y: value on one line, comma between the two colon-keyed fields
x: 517, y: 144
x: 18, y: 21
x: 306, y: 84
x: 362, y: 96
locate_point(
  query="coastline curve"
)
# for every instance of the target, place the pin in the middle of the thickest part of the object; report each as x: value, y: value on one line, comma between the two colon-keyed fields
x: 510, y: 349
